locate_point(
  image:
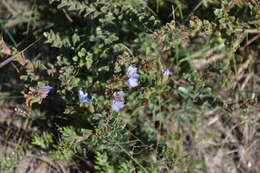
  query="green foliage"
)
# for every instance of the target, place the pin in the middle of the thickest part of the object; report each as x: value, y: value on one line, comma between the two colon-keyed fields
x: 89, y: 46
x: 102, y: 166
x: 10, y: 160
x: 41, y: 142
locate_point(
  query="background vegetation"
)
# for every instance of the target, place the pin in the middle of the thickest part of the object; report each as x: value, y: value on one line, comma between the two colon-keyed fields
x: 192, y: 105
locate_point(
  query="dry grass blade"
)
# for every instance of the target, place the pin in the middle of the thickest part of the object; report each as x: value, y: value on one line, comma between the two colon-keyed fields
x: 241, y: 71
x: 206, y: 60
x: 202, y: 63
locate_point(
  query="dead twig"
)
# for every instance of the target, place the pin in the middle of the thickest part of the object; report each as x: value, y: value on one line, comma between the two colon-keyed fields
x: 5, y: 62
x: 250, y: 31
x: 250, y: 41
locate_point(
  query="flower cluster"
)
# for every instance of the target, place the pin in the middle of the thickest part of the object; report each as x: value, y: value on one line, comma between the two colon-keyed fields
x: 118, y: 101
x: 119, y: 97
x: 133, y: 77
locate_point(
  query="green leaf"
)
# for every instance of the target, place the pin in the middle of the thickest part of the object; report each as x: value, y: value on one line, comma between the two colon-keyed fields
x: 91, y: 107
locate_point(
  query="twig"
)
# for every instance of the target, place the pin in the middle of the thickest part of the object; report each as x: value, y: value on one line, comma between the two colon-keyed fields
x: 201, y: 63
x: 251, y: 31
x: 16, y: 55
x: 250, y: 41
x: 67, y: 16
x: 246, y: 81
x: 194, y: 9
x: 131, y: 157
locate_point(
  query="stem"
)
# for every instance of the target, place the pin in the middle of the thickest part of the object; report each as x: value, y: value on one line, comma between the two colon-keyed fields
x: 28, y: 116
x: 131, y: 157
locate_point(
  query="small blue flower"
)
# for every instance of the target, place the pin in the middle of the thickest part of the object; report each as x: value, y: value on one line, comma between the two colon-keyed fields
x: 133, y: 77
x: 118, y: 101
x: 43, y: 91
x: 116, y: 105
x: 131, y: 70
x: 166, y: 72
x: 83, y: 97
x: 132, y: 82
x: 121, y: 95
x: 44, y: 88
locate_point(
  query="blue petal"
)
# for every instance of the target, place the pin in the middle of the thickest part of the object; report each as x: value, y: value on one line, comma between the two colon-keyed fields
x: 131, y: 71
x: 116, y: 105
x: 121, y: 95
x: 45, y: 88
x: 132, y: 82
x: 80, y: 93
x: 120, y: 105
x: 135, y: 76
x: 115, y: 108
x: 166, y: 72
x: 83, y: 97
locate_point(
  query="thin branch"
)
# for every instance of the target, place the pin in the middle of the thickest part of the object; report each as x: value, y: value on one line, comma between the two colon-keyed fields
x: 5, y: 62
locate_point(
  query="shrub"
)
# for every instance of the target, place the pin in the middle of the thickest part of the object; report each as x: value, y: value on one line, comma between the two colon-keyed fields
x: 128, y: 89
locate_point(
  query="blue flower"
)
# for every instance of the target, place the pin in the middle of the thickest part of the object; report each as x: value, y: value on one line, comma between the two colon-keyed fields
x: 83, y: 97
x: 120, y: 95
x: 43, y: 91
x: 44, y: 88
x: 166, y: 72
x: 132, y: 82
x: 131, y: 72
x: 133, y: 77
x: 118, y: 101
x: 116, y: 105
